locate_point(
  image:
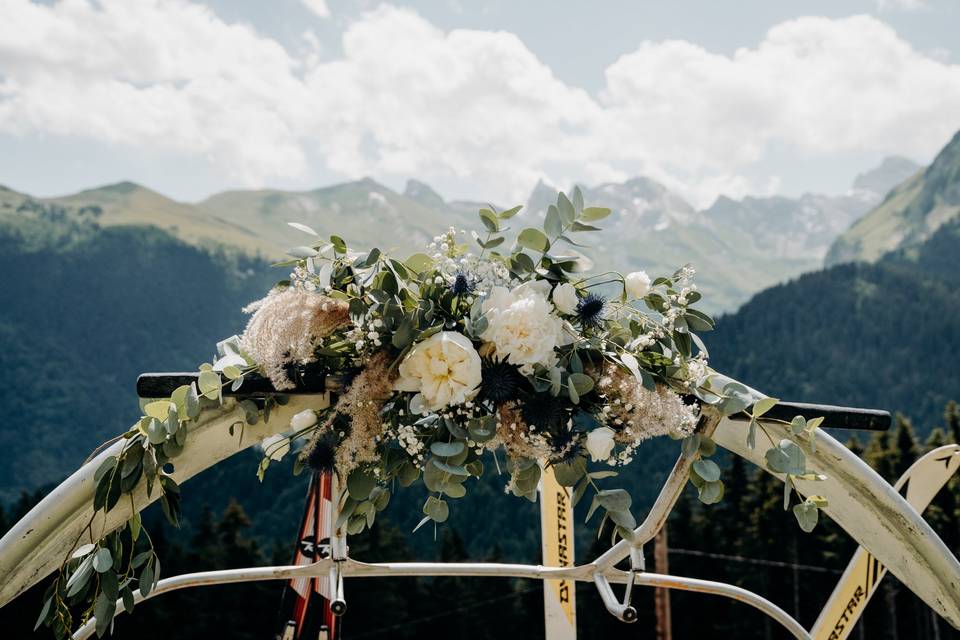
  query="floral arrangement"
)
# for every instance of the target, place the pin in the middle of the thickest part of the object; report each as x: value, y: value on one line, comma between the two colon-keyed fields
x: 464, y: 358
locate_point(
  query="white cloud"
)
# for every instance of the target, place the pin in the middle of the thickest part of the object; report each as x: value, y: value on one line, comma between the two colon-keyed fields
x: 318, y: 7
x: 409, y: 99
x: 901, y: 5
x: 152, y: 74
x: 474, y: 110
x: 813, y: 84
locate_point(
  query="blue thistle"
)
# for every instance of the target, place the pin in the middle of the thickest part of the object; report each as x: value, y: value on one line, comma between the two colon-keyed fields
x: 463, y: 284
x: 500, y: 381
x: 321, y: 455
x: 591, y: 309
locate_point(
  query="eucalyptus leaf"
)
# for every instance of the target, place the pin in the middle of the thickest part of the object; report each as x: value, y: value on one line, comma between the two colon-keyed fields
x: 711, y: 492
x: 568, y: 474
x: 551, y: 223
x: 209, y: 384
x: 509, y: 213
x: 104, y: 610
x: 360, y: 484
x: 707, y: 469
x: 146, y: 579
x: 128, y: 601
x: 737, y: 398
x: 452, y: 469
x: 454, y: 490
x: 807, y: 515
x: 798, y: 425
x: 582, y: 383
x: 418, y: 262
x: 302, y: 227
x: 690, y: 445
x: 107, y: 465
x: 533, y: 239
x: 489, y: 220
x: 614, y: 499
x: 44, y: 612
x: 436, y: 509
x: 595, y: 213
x: 447, y: 449
x: 763, y: 405
x: 302, y: 252
x: 83, y: 550
x: 566, y: 209
x: 79, y: 578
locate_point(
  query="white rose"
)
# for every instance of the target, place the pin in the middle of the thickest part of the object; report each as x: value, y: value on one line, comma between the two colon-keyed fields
x: 600, y: 443
x: 565, y: 298
x: 444, y: 369
x: 272, y: 446
x: 637, y: 284
x: 303, y: 420
x: 536, y: 287
x: 523, y: 327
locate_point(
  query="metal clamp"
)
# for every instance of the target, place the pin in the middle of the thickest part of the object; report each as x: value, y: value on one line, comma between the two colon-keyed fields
x: 338, y: 605
x: 623, y: 611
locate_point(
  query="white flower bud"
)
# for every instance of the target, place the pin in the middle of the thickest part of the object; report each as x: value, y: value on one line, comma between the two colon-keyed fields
x: 565, y: 298
x: 303, y: 420
x: 637, y: 284
x: 600, y: 443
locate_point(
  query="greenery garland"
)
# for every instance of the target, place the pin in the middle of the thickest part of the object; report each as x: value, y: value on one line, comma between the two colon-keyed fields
x: 452, y: 358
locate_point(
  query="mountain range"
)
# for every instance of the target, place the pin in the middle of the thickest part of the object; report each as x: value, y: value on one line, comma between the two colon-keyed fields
x: 908, y: 215
x: 738, y: 246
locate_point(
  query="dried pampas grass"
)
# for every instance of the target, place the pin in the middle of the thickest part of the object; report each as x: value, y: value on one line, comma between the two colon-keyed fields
x: 638, y: 414
x: 286, y: 326
x: 356, y: 419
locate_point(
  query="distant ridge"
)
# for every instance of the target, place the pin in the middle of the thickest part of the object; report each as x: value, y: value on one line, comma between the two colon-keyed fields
x: 909, y: 213
x: 738, y: 246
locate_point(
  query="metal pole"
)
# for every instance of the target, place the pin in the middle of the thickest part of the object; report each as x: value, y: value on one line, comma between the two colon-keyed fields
x: 353, y: 569
x: 661, y: 597
x: 669, y: 493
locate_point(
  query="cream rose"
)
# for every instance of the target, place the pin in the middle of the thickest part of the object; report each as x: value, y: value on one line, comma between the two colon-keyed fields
x: 444, y: 369
x: 637, y: 284
x: 565, y: 298
x: 600, y: 443
x: 522, y: 326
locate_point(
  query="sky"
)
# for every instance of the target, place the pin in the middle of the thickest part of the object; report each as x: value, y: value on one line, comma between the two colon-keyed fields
x: 478, y: 99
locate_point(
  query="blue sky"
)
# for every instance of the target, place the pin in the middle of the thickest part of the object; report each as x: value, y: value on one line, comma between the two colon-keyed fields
x: 479, y: 99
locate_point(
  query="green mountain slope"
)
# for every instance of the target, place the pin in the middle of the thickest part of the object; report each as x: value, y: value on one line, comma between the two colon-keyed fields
x: 126, y: 203
x: 86, y: 309
x: 873, y: 335
x: 908, y: 215
x: 365, y: 213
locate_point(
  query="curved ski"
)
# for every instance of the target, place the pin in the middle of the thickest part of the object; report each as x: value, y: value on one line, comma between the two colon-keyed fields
x: 39, y: 543
x: 919, y: 485
x: 868, y: 509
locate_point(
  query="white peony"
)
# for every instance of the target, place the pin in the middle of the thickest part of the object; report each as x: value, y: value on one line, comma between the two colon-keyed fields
x: 565, y: 298
x: 303, y: 420
x: 444, y: 369
x: 522, y: 326
x: 276, y: 446
x: 637, y: 284
x: 600, y: 443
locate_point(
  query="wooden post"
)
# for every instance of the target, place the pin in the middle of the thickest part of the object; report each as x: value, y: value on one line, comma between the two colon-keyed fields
x: 661, y: 597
